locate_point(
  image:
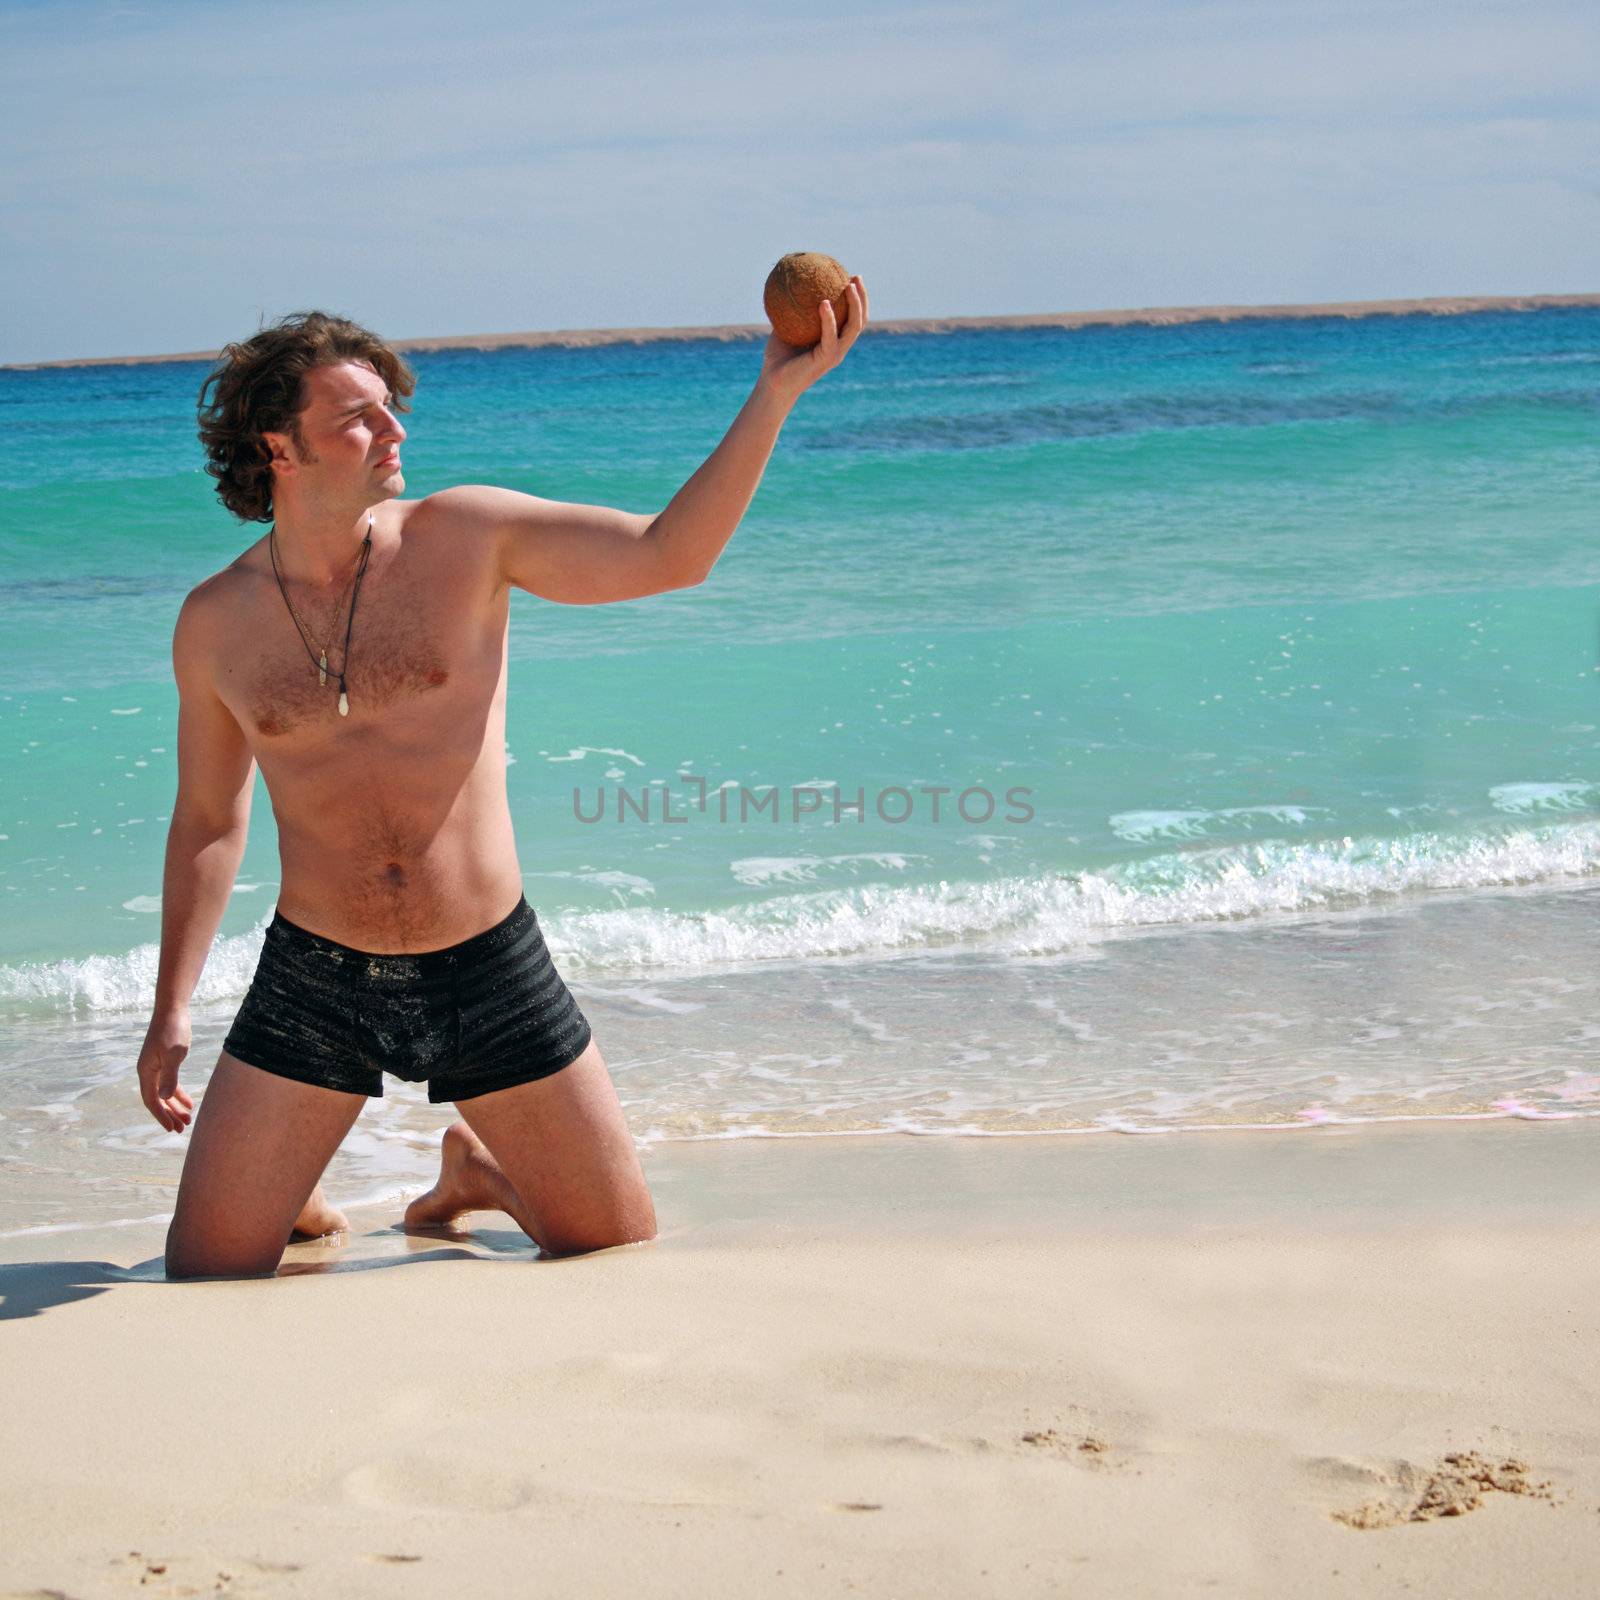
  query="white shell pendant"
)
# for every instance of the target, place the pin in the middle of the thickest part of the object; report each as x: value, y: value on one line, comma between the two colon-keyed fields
x: 344, y: 704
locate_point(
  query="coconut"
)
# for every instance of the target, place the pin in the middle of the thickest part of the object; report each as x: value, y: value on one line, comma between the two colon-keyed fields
x: 795, y: 290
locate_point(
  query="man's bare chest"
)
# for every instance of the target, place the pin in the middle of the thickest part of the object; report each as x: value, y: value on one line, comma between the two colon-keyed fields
x: 407, y: 650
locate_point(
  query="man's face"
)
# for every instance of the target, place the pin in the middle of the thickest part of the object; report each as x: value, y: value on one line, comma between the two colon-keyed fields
x: 348, y: 444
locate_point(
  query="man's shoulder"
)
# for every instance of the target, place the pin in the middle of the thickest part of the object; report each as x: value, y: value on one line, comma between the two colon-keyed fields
x: 223, y: 588
x: 212, y: 611
x: 460, y: 526
x: 462, y: 508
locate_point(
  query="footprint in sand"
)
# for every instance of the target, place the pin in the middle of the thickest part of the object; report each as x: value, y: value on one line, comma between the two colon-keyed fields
x: 178, y: 1576
x: 427, y: 1483
x: 1088, y: 1449
x: 1084, y: 1449
x: 1455, y: 1485
x: 182, y: 1575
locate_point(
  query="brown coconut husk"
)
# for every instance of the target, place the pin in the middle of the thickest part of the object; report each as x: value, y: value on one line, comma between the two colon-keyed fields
x: 796, y: 288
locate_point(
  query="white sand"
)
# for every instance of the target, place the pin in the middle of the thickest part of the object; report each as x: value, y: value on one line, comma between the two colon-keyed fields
x: 1135, y: 1366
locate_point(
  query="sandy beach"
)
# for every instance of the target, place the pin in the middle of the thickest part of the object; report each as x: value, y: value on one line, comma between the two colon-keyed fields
x: 1346, y: 1361
x: 1149, y: 316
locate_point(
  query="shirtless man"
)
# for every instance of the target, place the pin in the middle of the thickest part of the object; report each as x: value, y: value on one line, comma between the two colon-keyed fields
x: 358, y: 653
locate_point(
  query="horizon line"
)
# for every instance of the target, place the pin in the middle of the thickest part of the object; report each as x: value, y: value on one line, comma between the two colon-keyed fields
x: 1152, y: 316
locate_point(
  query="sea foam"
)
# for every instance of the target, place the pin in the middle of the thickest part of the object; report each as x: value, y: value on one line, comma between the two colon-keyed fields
x: 1019, y: 915
x: 128, y: 981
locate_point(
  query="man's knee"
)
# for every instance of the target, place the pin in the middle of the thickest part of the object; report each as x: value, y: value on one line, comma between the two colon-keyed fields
x: 187, y: 1258
x: 584, y: 1247
x: 636, y: 1226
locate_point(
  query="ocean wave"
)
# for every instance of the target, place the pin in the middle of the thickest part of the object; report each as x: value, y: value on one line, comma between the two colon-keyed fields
x: 1046, y: 915
x: 1022, y: 915
x: 1141, y: 826
x: 1523, y: 798
x: 758, y: 871
x: 1548, y: 358
x: 711, y: 1127
x: 128, y: 981
x: 954, y: 380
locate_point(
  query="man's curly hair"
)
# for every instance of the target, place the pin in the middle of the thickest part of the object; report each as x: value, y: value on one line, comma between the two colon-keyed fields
x: 256, y: 388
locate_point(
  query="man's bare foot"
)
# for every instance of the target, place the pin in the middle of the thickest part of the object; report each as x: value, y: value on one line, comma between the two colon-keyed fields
x: 467, y: 1182
x: 317, y: 1218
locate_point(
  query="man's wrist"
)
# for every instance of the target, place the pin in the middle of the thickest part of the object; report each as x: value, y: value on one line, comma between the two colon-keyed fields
x: 169, y: 1006
x: 771, y: 401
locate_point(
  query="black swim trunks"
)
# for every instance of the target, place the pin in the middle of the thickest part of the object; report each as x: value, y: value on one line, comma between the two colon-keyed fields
x: 482, y: 1015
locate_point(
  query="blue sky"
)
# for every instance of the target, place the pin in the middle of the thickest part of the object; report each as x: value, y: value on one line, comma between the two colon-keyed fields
x: 171, y: 172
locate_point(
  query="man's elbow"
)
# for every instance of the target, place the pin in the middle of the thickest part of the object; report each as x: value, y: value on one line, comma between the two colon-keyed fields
x: 675, y: 568
x: 207, y: 819
x: 691, y: 578
x: 681, y: 572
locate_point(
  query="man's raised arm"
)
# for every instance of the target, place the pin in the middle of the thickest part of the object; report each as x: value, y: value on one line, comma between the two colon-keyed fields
x: 210, y: 818
x: 588, y: 555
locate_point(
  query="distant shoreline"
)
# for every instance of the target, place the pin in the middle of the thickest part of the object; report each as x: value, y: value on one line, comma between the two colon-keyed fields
x: 1151, y: 316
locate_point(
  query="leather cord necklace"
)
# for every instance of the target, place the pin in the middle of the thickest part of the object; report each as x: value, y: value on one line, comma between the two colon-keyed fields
x: 321, y: 664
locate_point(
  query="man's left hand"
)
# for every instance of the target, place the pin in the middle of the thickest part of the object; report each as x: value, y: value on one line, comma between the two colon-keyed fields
x: 789, y: 372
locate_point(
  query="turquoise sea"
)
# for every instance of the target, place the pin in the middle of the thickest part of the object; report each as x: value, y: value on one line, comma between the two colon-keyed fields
x: 1271, y: 647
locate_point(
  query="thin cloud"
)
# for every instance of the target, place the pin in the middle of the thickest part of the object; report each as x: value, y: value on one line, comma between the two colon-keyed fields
x: 175, y: 170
